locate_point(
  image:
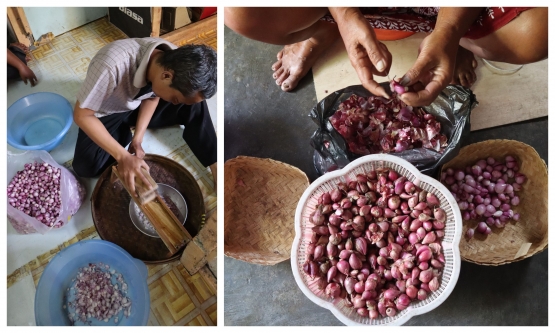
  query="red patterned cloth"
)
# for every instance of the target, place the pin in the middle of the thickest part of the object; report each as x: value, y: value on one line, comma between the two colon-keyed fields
x: 423, y: 19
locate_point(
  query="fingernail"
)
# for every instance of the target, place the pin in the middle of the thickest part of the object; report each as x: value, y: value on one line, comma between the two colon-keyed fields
x: 380, y: 66
x: 404, y: 81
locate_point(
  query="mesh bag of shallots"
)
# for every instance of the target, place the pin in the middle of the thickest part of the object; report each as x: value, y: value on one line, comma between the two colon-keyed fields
x: 352, y: 123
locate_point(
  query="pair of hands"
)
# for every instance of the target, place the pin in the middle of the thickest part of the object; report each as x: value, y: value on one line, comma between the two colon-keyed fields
x: 430, y: 74
x: 129, y: 166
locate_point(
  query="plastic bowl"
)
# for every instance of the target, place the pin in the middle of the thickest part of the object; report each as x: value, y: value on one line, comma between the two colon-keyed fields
x: 57, y: 276
x: 164, y: 190
x: 39, y: 121
x: 450, y: 243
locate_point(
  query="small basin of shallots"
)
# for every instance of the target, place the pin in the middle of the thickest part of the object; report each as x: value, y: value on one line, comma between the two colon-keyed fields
x: 377, y: 242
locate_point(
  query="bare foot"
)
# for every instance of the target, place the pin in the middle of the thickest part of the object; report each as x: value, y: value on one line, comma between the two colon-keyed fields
x: 295, y: 60
x: 465, y: 65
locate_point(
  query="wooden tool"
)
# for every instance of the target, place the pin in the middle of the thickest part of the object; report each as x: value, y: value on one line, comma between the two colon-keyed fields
x: 169, y: 228
x: 145, y: 195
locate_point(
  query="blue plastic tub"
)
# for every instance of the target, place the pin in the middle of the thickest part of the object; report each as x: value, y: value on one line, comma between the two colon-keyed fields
x: 39, y: 121
x: 57, y: 276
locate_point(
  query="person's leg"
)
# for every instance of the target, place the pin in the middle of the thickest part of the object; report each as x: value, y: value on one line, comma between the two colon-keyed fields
x: 12, y: 72
x: 302, y: 32
x: 89, y: 159
x: 199, y: 132
x: 274, y: 25
x: 521, y: 41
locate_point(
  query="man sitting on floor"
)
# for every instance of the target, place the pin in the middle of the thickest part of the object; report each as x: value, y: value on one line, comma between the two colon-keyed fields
x: 146, y: 83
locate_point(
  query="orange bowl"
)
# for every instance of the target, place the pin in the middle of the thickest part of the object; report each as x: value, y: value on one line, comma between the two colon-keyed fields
x: 385, y: 35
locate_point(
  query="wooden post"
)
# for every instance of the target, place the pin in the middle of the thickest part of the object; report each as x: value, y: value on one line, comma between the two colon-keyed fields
x: 156, y: 19
x: 20, y: 26
x: 203, y: 246
x: 192, y: 30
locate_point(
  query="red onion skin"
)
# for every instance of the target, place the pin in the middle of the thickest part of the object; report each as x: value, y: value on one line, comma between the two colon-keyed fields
x: 343, y: 267
x: 333, y: 290
x: 411, y: 291
x: 481, y: 228
x: 426, y: 276
x: 355, y: 262
x: 391, y: 293
x: 470, y: 233
x: 362, y: 312
x: 391, y: 312
x: 422, y: 294
x: 373, y: 314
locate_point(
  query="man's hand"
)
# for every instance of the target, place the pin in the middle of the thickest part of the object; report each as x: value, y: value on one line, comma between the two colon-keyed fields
x: 129, y: 168
x: 136, y: 148
x: 27, y: 74
x: 368, y: 56
x: 214, y: 170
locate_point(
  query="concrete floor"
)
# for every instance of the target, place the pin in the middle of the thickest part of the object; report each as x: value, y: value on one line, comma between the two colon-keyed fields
x: 262, y: 121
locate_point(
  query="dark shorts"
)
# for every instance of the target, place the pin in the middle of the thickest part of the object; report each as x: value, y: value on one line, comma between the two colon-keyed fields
x: 90, y: 160
x: 13, y: 73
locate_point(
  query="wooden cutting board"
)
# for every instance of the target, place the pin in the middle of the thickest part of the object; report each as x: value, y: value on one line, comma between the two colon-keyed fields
x: 503, y: 99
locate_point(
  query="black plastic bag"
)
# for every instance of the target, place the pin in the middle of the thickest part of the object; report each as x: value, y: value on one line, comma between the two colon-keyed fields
x: 451, y: 108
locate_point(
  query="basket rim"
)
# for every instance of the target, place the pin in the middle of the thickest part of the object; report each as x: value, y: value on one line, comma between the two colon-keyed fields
x: 454, y: 246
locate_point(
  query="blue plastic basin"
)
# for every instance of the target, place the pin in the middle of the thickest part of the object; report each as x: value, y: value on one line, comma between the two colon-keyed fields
x: 57, y: 276
x: 39, y: 121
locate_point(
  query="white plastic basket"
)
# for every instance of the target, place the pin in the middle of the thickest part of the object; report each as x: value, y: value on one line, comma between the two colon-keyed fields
x: 450, y: 242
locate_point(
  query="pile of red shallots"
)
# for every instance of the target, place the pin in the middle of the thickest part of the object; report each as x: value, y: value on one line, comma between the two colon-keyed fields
x: 486, y: 191
x: 377, y: 125
x: 95, y: 295
x: 376, y: 243
x: 35, y: 191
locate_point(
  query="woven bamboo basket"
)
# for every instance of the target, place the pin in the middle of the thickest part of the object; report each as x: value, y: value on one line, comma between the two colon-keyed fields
x: 261, y: 196
x: 520, y: 239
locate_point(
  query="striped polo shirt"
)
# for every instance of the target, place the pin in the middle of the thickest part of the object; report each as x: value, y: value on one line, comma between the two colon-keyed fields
x: 116, y: 75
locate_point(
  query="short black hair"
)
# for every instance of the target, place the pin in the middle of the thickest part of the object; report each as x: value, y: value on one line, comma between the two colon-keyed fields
x: 194, y: 69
